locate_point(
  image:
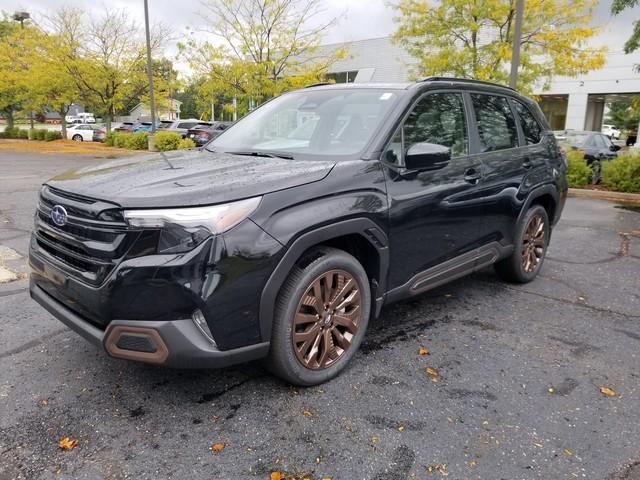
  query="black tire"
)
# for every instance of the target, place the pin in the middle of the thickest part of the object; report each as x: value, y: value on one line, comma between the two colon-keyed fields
x: 77, y: 138
x: 316, y: 264
x: 512, y: 268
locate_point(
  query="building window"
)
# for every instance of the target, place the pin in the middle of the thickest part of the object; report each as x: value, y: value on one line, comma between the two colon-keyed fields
x: 342, y: 77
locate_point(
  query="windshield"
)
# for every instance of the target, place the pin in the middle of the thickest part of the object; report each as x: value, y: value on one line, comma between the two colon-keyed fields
x: 320, y: 122
x: 576, y: 139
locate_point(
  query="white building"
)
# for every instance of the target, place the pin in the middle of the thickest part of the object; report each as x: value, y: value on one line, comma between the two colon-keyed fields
x: 165, y: 110
x: 571, y: 103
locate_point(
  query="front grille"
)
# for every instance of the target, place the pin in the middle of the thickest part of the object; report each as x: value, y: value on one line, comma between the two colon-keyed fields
x: 92, y: 242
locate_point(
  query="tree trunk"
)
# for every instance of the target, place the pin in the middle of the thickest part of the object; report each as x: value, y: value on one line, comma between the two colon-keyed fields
x: 64, y: 109
x: 107, y: 121
x: 9, y: 117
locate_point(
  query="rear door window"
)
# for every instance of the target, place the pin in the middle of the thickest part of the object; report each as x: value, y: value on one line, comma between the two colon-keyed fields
x: 496, y: 125
x: 530, y: 126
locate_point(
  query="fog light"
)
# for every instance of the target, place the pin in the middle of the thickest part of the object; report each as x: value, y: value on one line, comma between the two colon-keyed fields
x: 201, y: 323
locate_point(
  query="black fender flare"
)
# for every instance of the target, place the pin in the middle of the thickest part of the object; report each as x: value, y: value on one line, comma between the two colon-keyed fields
x: 365, y: 227
x: 538, y: 192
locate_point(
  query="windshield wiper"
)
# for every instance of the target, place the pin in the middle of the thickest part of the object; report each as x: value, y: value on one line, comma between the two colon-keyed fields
x: 255, y: 153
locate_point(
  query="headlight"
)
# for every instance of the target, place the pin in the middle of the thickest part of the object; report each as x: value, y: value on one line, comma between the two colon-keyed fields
x: 182, y: 229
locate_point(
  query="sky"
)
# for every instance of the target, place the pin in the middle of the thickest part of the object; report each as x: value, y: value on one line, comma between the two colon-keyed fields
x: 359, y: 19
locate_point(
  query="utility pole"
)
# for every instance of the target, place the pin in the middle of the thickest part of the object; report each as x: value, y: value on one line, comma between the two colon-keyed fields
x: 517, y: 37
x: 149, y: 68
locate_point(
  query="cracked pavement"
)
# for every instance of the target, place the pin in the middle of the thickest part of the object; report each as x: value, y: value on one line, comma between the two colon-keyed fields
x: 517, y: 396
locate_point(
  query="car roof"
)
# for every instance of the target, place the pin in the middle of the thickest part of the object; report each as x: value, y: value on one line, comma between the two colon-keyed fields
x: 449, y: 81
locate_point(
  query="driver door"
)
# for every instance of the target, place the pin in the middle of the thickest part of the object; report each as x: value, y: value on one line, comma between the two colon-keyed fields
x: 435, y: 215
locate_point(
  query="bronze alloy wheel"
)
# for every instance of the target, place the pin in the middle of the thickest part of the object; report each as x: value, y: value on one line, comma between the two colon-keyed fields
x: 326, y: 320
x: 533, y: 244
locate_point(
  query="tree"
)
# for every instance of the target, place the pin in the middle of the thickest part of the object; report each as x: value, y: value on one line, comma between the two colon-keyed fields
x: 633, y: 43
x: 624, y: 114
x: 14, y: 63
x: 268, y: 46
x: 474, y: 38
x: 105, y: 57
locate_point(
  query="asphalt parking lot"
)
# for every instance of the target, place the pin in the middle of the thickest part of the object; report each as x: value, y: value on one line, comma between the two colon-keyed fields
x: 517, y: 397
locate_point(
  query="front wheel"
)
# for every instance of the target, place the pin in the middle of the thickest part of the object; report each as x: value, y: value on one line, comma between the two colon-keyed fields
x: 530, y: 247
x: 321, y: 316
x: 77, y: 138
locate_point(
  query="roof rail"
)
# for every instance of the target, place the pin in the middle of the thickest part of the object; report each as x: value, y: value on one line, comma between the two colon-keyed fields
x: 463, y: 80
x: 319, y: 84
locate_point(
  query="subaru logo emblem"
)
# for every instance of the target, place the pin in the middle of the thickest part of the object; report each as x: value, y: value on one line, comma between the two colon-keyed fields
x: 59, y: 215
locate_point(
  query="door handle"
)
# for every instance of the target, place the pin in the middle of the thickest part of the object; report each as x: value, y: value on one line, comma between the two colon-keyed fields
x: 526, y: 163
x: 472, y: 176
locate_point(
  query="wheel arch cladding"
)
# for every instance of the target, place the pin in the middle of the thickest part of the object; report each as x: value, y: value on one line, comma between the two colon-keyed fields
x: 360, y: 237
x: 546, y: 196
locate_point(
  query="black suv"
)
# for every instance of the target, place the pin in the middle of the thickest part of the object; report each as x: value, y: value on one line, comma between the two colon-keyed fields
x: 285, y: 235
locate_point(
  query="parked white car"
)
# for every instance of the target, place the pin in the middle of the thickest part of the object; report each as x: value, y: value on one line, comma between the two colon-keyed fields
x: 611, y: 131
x: 83, y: 117
x: 82, y: 132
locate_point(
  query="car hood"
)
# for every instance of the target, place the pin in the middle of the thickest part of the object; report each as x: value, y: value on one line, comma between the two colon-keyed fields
x: 188, y: 178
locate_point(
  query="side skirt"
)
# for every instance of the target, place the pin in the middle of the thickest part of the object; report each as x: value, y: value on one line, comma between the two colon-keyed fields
x: 450, y: 270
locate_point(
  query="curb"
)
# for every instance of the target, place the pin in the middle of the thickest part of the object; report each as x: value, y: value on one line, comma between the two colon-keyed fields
x: 600, y: 195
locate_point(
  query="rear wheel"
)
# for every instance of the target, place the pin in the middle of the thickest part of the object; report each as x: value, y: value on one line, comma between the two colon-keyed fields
x: 77, y: 138
x: 532, y: 238
x: 321, y: 316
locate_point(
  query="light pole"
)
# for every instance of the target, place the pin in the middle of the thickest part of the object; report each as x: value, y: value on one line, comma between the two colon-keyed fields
x: 517, y: 37
x: 21, y: 17
x: 149, y: 68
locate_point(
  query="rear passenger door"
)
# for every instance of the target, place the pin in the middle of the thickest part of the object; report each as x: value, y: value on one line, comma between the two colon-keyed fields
x: 496, y: 143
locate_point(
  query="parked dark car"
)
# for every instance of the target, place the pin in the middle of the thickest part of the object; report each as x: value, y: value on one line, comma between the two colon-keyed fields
x: 594, y: 145
x: 203, y: 133
x: 99, y: 134
x: 263, y: 245
x: 126, y: 127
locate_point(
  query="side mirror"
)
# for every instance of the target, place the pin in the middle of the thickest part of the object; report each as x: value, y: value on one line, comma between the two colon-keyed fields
x: 615, y: 148
x: 427, y: 156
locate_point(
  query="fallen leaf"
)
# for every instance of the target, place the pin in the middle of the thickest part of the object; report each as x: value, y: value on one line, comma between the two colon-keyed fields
x: 432, y: 372
x: 472, y: 463
x: 307, y: 413
x: 326, y: 478
x: 551, y: 390
x: 374, y: 439
x: 450, y: 419
x: 607, y: 391
x: 217, y: 447
x: 439, y: 468
x: 276, y: 476
x: 567, y: 452
x: 215, y: 418
x: 423, y: 351
x: 401, y: 428
x: 44, y: 402
x: 539, y: 445
x: 66, y: 443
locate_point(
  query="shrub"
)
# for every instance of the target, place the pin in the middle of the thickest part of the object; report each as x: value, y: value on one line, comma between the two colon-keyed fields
x: 132, y: 141
x: 578, y: 172
x: 38, y: 134
x: 23, y: 134
x: 186, y: 143
x: 9, y: 132
x: 50, y: 135
x: 109, y: 139
x: 137, y: 141
x: 623, y: 173
x: 165, y: 141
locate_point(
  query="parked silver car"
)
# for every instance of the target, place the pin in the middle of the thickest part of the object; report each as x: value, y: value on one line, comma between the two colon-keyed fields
x: 181, y: 126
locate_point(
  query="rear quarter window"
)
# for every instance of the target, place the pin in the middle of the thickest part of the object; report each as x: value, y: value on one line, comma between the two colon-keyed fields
x: 496, y: 125
x: 530, y: 127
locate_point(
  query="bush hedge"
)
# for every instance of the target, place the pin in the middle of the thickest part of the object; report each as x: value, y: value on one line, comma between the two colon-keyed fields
x: 132, y: 141
x: 578, y: 172
x: 165, y: 141
x: 186, y: 143
x: 623, y: 173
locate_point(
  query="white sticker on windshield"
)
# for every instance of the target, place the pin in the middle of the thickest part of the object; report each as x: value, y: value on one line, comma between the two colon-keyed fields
x: 386, y: 96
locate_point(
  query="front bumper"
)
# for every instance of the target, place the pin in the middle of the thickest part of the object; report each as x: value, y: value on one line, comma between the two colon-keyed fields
x: 172, y: 343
